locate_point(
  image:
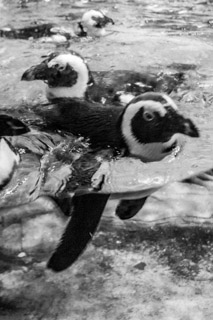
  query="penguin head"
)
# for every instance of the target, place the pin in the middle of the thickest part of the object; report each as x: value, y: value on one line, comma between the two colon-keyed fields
x: 66, y: 74
x: 152, y: 127
x: 93, y: 23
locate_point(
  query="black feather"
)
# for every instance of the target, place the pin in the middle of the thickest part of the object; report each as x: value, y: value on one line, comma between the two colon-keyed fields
x: 97, y: 123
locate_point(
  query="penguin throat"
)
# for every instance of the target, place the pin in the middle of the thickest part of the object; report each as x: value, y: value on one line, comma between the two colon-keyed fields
x: 154, y: 151
x: 77, y: 91
x: 92, y: 31
x: 148, y: 152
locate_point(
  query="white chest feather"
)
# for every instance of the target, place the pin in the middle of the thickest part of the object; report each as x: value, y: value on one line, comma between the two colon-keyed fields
x: 156, y: 151
x: 66, y: 92
x: 8, y: 160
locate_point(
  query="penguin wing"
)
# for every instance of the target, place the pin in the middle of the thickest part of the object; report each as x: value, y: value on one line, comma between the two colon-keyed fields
x: 127, y: 209
x: 87, y: 211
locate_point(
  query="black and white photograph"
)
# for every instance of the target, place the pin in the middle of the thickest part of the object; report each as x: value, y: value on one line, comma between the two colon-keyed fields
x: 106, y: 160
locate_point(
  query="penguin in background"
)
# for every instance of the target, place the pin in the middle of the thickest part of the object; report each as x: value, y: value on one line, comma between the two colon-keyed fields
x: 67, y: 75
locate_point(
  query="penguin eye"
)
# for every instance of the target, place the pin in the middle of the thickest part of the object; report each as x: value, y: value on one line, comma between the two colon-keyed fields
x: 61, y: 68
x: 148, y: 116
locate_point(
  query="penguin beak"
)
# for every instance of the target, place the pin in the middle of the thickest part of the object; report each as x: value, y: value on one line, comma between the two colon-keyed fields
x: 37, y: 72
x: 190, y: 129
x: 102, y: 21
x: 177, y: 123
x: 108, y: 20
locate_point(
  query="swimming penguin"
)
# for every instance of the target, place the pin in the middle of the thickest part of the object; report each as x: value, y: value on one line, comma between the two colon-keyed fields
x: 9, y: 157
x: 67, y: 75
x: 148, y: 127
x: 93, y: 23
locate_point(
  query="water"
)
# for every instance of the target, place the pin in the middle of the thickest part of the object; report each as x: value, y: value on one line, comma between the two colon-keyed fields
x: 152, y: 35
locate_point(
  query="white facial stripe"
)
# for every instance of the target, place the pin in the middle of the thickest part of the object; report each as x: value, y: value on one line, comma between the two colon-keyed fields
x: 74, y: 61
x: 79, y: 88
x: 170, y: 101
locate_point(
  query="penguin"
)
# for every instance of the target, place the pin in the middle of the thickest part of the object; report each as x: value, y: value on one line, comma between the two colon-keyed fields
x: 148, y: 128
x: 9, y: 160
x: 9, y: 157
x: 68, y: 75
x: 93, y: 23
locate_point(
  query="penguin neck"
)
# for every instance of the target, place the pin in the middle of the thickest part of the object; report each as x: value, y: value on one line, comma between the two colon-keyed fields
x: 65, y: 92
x: 154, y: 151
x: 147, y: 152
x: 95, y: 32
x: 81, y: 118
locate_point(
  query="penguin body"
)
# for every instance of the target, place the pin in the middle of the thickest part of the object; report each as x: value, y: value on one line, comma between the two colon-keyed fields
x: 147, y: 127
x: 9, y: 159
x: 81, y: 118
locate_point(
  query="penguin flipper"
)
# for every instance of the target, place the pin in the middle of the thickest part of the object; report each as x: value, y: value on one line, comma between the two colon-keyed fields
x: 127, y: 209
x: 86, y: 215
